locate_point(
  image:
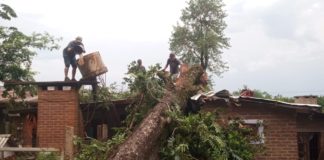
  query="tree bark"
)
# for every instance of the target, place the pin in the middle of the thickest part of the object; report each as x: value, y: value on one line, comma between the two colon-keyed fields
x: 140, y: 144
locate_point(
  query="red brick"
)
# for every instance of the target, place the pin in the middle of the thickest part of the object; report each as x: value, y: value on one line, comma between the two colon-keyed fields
x: 56, y: 110
x: 280, y: 130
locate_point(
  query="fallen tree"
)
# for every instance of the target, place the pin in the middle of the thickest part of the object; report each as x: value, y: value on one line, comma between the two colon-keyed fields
x: 140, y: 144
x: 158, y: 126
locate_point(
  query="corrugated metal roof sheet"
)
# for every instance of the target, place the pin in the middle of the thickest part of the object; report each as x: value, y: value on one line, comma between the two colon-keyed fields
x: 269, y: 100
x: 312, y: 108
x: 3, y: 139
x: 309, y: 107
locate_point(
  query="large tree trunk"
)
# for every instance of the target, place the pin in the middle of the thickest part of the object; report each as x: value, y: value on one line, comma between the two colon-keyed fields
x: 140, y: 144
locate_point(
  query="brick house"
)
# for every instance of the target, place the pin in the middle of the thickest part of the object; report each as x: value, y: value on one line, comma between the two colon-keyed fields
x: 288, y: 131
x: 58, y: 116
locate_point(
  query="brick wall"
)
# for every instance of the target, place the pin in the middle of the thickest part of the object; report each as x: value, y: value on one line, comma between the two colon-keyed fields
x: 279, y: 129
x: 306, y: 99
x: 57, y: 109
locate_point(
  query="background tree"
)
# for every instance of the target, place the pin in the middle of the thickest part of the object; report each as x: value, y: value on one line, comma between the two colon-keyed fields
x: 18, y: 49
x: 200, y: 37
x: 320, y: 100
x: 284, y: 99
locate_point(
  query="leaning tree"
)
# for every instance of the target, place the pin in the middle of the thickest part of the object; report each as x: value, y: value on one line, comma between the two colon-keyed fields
x: 199, y: 39
x: 142, y: 141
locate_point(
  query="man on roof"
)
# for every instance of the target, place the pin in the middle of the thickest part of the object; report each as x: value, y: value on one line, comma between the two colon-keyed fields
x: 74, y: 47
x: 174, y: 66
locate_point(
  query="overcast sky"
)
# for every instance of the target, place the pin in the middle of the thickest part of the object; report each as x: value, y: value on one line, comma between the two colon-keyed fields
x: 276, y: 45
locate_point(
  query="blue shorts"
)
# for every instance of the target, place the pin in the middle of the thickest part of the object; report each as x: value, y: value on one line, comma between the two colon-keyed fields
x: 69, y: 60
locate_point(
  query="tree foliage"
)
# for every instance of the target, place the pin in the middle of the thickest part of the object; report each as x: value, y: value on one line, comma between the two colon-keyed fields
x: 200, y: 38
x: 103, y: 93
x: 47, y: 156
x: 147, y: 82
x: 6, y: 12
x: 17, y: 50
x: 283, y: 98
x: 320, y: 100
x: 95, y: 150
x: 146, y: 88
x: 193, y: 136
x: 198, y: 136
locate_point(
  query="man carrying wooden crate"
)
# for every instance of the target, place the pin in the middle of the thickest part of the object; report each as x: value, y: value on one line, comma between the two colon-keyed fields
x: 74, y: 47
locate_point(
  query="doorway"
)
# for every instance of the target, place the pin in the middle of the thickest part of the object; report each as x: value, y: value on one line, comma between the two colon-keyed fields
x: 309, y: 145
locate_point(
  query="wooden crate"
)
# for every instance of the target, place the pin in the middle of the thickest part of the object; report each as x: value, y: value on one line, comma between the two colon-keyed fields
x: 93, y: 66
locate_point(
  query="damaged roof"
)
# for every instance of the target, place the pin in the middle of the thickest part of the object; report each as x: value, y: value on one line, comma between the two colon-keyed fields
x: 31, y: 99
x: 221, y: 98
x: 298, y: 106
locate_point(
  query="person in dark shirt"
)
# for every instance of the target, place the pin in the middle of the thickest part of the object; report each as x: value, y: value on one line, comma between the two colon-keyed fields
x: 140, y: 66
x: 174, y: 66
x: 74, y: 47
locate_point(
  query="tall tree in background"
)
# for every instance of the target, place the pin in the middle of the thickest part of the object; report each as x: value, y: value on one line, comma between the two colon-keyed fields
x: 199, y: 38
x: 17, y: 51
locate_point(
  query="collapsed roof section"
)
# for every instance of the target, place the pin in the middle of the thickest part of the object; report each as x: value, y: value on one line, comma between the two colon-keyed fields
x: 223, y: 97
x: 311, y: 108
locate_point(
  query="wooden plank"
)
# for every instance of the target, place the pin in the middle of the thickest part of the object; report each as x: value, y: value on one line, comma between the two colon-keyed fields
x: 3, y: 139
x: 68, y: 148
x: 104, y: 132
x: 2, y: 142
x: 5, y: 135
x: 29, y: 149
x: 51, y: 83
